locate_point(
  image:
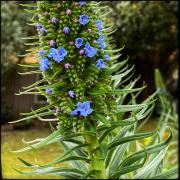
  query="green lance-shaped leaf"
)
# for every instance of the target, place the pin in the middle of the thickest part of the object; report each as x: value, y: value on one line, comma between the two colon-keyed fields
x: 171, y: 174
x: 158, y: 79
x: 151, y: 149
x: 102, y: 119
x: 63, y: 157
x: 77, y: 164
x: 150, y: 166
x: 130, y: 138
x: 110, y: 156
x: 61, y: 171
x: 133, y: 107
x: 50, y: 112
x: 27, y: 65
x: 114, y: 92
x: 54, y: 137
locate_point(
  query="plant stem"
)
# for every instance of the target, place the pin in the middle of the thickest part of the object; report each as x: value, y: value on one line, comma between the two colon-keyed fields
x: 96, y: 162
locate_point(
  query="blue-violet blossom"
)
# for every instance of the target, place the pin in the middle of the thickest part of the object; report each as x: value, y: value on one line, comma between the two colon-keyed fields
x: 89, y: 50
x: 54, y: 20
x: 99, y: 24
x: 49, y: 90
x: 83, y: 109
x: 66, y: 30
x: 38, y: 25
x: 41, y: 52
x: 101, y: 39
x: 100, y: 63
x: 103, y: 45
x: 43, y: 30
x: 83, y: 19
x: 44, y: 63
x: 57, y: 54
x: 82, y: 3
x: 71, y: 93
x: 79, y: 42
x: 106, y: 57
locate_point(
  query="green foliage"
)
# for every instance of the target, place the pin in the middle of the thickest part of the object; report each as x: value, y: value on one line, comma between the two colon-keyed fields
x: 168, y: 117
x: 99, y: 145
x: 157, y: 23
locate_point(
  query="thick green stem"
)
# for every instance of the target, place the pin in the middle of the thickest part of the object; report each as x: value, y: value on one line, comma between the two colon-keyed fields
x: 97, y: 162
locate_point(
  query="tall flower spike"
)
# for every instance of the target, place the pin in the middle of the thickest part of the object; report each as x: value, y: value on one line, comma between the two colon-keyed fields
x: 81, y: 86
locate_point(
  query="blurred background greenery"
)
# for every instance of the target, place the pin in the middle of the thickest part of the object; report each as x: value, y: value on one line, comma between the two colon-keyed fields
x: 147, y: 29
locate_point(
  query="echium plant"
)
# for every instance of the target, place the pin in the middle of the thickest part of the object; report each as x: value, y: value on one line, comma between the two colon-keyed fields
x: 90, y: 96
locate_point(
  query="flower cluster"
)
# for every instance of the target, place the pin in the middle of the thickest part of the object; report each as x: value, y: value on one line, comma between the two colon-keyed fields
x: 57, y: 54
x: 83, y: 109
x: 85, y: 48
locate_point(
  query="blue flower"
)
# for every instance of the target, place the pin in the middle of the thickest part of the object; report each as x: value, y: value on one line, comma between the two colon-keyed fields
x: 83, y: 19
x: 100, y: 63
x: 44, y: 63
x: 38, y: 26
x: 79, y: 42
x: 83, y: 109
x: 57, y: 54
x: 101, y: 39
x: 106, y: 57
x: 49, y: 90
x: 43, y: 30
x: 66, y: 30
x: 99, y: 24
x: 71, y: 93
x: 82, y: 3
x: 54, y: 20
x: 41, y: 52
x: 103, y: 45
x: 89, y: 50
x: 52, y: 52
x: 62, y: 52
